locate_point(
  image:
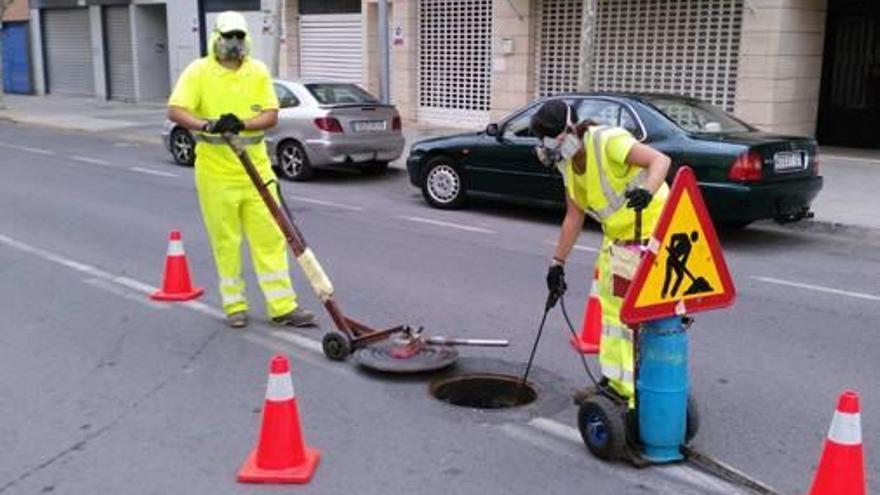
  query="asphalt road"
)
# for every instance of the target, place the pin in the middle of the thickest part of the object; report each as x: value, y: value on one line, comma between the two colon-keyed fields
x: 106, y: 392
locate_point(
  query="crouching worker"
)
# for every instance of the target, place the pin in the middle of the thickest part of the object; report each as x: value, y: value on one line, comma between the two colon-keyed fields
x: 610, y: 176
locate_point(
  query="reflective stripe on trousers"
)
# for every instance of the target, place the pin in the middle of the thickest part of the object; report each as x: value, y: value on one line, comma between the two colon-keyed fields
x: 616, y: 346
x: 234, y: 210
x: 217, y: 139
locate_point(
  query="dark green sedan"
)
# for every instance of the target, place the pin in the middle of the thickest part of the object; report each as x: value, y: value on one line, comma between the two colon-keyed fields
x: 744, y: 174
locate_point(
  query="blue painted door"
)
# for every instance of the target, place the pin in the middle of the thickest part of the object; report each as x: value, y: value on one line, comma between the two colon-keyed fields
x: 16, y: 58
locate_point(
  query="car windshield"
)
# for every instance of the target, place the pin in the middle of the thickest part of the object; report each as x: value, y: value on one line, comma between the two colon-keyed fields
x: 696, y: 116
x: 334, y: 94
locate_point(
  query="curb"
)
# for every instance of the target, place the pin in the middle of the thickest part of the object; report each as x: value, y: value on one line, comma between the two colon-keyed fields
x: 117, y: 133
x: 823, y: 228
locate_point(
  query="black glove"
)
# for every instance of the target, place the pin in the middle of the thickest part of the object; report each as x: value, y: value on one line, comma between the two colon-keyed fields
x: 555, y: 284
x: 639, y: 198
x: 227, y: 123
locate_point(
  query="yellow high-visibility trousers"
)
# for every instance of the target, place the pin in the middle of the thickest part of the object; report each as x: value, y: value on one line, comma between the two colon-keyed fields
x: 230, y: 209
x: 616, y: 345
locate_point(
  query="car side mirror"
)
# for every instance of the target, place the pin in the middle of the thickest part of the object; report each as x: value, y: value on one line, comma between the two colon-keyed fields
x: 493, y: 130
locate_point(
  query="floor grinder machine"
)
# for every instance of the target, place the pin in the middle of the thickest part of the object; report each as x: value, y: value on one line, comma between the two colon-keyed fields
x: 399, y: 349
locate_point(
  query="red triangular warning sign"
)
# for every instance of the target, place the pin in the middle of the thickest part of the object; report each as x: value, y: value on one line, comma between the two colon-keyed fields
x: 683, y: 270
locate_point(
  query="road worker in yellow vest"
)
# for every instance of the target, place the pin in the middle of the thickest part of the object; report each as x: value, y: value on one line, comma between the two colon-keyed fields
x: 610, y: 176
x: 230, y: 91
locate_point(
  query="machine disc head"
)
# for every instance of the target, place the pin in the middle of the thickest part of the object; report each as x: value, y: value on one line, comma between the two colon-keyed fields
x: 380, y: 357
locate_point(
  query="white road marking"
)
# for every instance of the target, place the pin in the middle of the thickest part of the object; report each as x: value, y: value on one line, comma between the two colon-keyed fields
x: 29, y: 149
x: 451, y: 225
x: 93, y: 161
x: 818, y: 288
x: 682, y: 473
x: 106, y: 280
x: 848, y: 158
x: 321, y: 202
x: 300, y: 341
x: 122, y: 292
x: 577, y: 247
x: 150, y: 171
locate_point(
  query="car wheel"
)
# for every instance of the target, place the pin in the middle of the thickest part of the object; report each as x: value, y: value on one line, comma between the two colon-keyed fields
x: 293, y: 163
x: 183, y: 147
x: 375, y: 168
x: 443, y: 184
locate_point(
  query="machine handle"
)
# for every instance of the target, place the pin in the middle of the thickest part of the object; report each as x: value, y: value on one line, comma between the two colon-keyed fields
x: 473, y: 342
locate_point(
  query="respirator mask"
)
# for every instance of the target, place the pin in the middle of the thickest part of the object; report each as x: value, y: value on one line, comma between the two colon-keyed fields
x: 231, y: 46
x: 553, y: 150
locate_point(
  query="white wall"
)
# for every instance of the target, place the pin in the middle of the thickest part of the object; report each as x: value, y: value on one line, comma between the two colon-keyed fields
x: 151, y: 52
x: 183, y: 35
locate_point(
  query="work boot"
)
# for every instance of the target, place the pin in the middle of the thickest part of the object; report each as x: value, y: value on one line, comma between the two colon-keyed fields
x: 239, y: 319
x: 297, y: 318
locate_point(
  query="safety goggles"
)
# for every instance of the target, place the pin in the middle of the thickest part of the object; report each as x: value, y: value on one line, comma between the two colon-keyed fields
x: 239, y: 35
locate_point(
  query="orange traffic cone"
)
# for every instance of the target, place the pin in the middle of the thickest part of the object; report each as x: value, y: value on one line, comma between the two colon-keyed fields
x: 842, y: 465
x: 177, y: 285
x: 281, y: 455
x: 591, y: 333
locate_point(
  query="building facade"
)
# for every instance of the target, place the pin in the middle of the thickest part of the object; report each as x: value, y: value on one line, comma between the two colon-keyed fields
x: 131, y: 50
x: 807, y: 67
x: 802, y: 67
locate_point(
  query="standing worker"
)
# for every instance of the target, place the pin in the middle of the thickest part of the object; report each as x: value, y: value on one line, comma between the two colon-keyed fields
x: 609, y: 175
x: 230, y: 91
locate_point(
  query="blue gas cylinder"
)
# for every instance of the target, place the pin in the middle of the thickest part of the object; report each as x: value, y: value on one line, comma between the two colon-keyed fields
x: 662, y: 389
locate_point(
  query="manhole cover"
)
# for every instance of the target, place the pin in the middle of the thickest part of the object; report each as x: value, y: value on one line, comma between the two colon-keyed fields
x: 484, y: 391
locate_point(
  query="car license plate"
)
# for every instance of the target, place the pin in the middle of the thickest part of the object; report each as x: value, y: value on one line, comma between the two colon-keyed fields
x: 370, y: 126
x: 788, y: 161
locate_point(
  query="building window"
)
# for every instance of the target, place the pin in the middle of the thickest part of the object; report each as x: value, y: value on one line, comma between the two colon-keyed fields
x: 455, y: 56
x: 559, y: 45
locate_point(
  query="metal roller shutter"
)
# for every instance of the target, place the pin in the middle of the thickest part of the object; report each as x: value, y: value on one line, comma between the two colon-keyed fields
x: 120, y: 53
x: 455, y: 61
x: 68, y: 45
x: 688, y: 47
x: 331, y: 47
x: 559, y: 46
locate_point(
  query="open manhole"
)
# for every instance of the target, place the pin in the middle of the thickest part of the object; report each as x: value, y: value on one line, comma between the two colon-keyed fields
x: 484, y: 391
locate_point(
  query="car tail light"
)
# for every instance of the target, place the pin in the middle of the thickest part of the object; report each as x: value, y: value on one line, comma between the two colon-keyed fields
x: 816, y: 163
x: 747, y: 167
x: 328, y: 124
x: 395, y: 123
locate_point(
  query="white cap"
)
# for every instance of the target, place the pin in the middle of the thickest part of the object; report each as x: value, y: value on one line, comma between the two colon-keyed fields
x: 230, y: 21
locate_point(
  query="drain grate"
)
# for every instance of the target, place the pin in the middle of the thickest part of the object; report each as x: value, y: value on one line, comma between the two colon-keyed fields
x: 484, y: 391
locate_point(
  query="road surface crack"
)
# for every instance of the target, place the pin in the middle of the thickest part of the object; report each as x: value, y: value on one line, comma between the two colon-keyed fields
x: 134, y: 405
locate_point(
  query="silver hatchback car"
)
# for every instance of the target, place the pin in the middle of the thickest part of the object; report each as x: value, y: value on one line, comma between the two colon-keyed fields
x: 320, y: 124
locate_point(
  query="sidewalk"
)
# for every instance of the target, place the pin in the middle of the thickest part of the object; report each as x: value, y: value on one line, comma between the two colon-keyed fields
x: 849, y: 197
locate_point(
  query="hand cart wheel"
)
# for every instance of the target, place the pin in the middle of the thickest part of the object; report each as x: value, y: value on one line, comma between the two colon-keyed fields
x: 602, y: 426
x: 336, y: 346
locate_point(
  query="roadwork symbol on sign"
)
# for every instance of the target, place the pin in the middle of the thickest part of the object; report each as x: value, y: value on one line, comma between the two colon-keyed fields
x: 683, y: 270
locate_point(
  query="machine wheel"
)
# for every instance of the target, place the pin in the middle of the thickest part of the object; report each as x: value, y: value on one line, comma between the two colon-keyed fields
x: 183, y: 147
x: 293, y: 163
x: 375, y: 168
x: 602, y: 427
x: 692, y: 424
x: 336, y: 346
x: 443, y: 185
